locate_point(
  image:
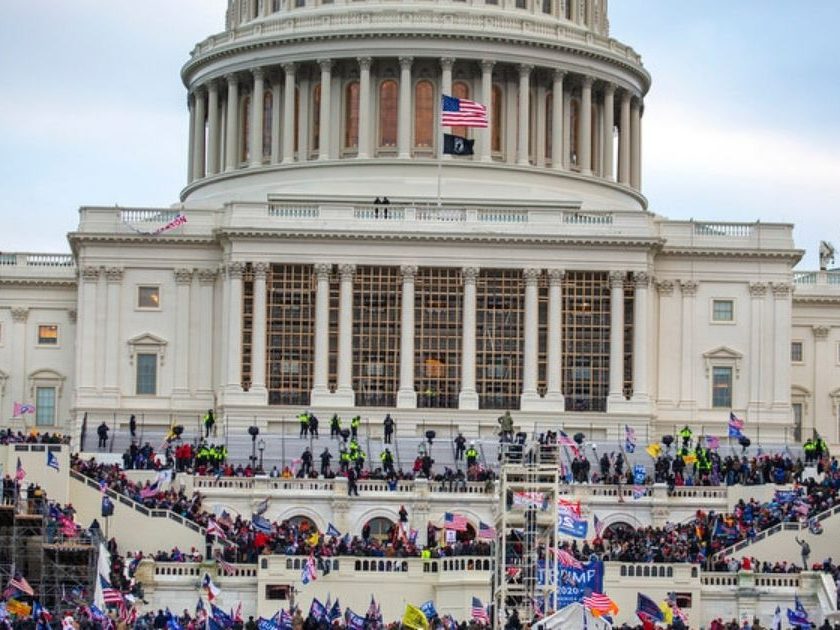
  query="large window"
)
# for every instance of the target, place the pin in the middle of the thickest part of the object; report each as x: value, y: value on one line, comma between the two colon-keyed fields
x: 47, y: 335
x: 316, y: 117
x: 424, y: 115
x: 380, y: 528
x: 268, y: 113
x: 722, y: 387
x: 496, y: 122
x: 796, y: 351
x: 245, y: 129
x: 44, y: 406
x: 388, y: 101
x: 549, y: 121
x: 723, y: 311
x: 351, y: 116
x: 146, y: 374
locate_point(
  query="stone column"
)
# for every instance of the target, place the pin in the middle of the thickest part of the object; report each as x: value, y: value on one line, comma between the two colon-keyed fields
x: 320, y: 376
x: 781, y: 344
x: 257, y: 111
x: 487, y: 99
x: 276, y: 123
x: 191, y: 141
x: 636, y: 144
x: 557, y: 120
x: 404, y: 110
x: 523, y: 155
x: 539, y: 126
x: 183, y: 280
x: 585, y: 127
x: 212, y: 128
x: 567, y: 129
x: 624, y: 140
x: 345, y: 335
x: 616, y: 336
x: 232, y: 131
x: 206, y: 284
x: 289, y: 114
x: 19, y: 342
x: 554, y: 355
x: 234, y: 336
x: 326, y: 119
x: 407, y: 396
x: 446, y: 64
x: 529, y: 350
x: 689, y: 292
x: 364, y: 107
x: 758, y: 291
x: 609, y: 126
x: 468, y: 398
x: 113, y: 283
x: 641, y: 340
x: 87, y: 326
x: 198, y: 133
x: 259, y: 332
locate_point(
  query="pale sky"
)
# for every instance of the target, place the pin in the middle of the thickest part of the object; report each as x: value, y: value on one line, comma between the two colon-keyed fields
x: 742, y: 121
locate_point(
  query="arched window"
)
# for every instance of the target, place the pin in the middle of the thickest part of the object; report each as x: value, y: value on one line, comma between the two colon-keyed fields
x: 304, y: 524
x: 388, y: 101
x: 549, y: 121
x: 268, y: 113
x: 573, y: 123
x: 424, y: 114
x: 351, y: 116
x: 380, y: 528
x: 460, y: 90
x: 496, y: 113
x: 316, y: 117
x: 245, y: 107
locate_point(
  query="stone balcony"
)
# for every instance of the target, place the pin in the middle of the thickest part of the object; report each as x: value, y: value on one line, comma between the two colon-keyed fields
x: 32, y: 267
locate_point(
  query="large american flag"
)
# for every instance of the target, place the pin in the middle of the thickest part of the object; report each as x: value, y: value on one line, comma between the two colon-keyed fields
x: 486, y: 531
x: 600, y: 603
x: 478, y: 611
x: 109, y: 593
x: 566, y: 559
x: 458, y: 522
x: 19, y: 582
x: 459, y: 112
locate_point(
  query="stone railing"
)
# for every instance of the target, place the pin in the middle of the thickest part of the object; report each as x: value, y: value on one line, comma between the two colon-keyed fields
x: 19, y: 259
x: 805, y: 279
x: 268, y: 485
x: 700, y: 234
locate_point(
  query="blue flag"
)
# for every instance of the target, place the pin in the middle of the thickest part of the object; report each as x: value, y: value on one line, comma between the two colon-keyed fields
x: 647, y: 609
x: 332, y: 531
x: 52, y: 460
x: 261, y: 524
x: 266, y: 624
x: 428, y: 609
x: 335, y: 611
x: 317, y: 610
x: 219, y: 615
x: 354, y: 621
x: 571, y: 526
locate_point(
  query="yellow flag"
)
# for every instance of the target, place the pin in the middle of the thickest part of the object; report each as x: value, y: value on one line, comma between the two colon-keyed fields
x: 667, y: 612
x: 654, y: 450
x: 313, y: 539
x: 18, y: 608
x: 689, y: 459
x: 415, y: 618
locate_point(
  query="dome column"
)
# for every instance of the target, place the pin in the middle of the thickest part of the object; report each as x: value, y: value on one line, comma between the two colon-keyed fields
x: 585, y: 127
x: 616, y: 393
x: 446, y: 64
x: 641, y: 343
x: 407, y: 396
x: 404, y: 108
x: 364, y: 107
x: 289, y: 114
x: 276, y: 120
x: 524, y: 116
x: 487, y: 101
x: 529, y: 353
x: 468, y: 398
x: 213, y: 128
x: 191, y: 141
x: 344, y: 391
x: 609, y: 125
x: 257, y: 111
x: 198, y: 133
x: 636, y: 143
x: 258, y: 336
x: 232, y: 126
x: 326, y: 100
x: 624, y: 140
x: 320, y: 385
x: 557, y: 121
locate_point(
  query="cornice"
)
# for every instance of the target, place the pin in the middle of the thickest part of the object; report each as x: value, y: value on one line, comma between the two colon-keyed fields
x: 709, y: 252
x: 799, y: 298
x: 172, y: 239
x: 39, y: 282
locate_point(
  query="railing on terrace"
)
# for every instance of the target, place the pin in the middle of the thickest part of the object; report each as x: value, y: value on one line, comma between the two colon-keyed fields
x: 736, y: 230
x: 401, y: 565
x: 379, y: 212
x: 293, y: 211
x: 584, y: 218
x: 194, y: 569
x: 328, y: 485
x: 147, y: 215
x: 816, y: 278
x: 719, y: 579
x: 139, y: 507
x: 19, y: 259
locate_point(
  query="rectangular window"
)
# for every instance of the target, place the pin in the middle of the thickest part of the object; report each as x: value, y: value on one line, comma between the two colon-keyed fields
x: 47, y: 335
x: 45, y: 406
x: 148, y: 297
x: 796, y: 351
x: 722, y: 387
x: 723, y: 311
x: 276, y: 591
x: 146, y: 374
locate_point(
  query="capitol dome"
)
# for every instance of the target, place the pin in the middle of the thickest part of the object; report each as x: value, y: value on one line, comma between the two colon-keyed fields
x: 302, y: 98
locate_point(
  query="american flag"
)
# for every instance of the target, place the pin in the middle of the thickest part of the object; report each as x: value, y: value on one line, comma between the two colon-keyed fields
x: 563, y: 439
x: 20, y: 473
x: 22, y: 408
x: 458, y: 522
x: 19, y: 582
x: 566, y: 559
x: 110, y: 594
x: 459, y: 112
x: 226, y: 566
x: 149, y: 491
x: 629, y: 439
x: 600, y: 603
x: 478, y: 611
x: 713, y: 442
x: 735, y: 422
x: 597, y: 525
x: 486, y: 531
x: 213, y: 529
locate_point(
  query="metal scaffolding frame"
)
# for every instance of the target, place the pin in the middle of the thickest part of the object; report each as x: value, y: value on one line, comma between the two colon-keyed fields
x: 526, y: 526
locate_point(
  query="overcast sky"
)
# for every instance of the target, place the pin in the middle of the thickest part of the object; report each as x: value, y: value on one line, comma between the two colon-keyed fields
x: 742, y: 122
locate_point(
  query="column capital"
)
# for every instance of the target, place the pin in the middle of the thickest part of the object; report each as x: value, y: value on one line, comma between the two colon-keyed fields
x: 199, y: 90
x: 235, y: 270
x: 525, y: 70
x: 212, y: 85
x: 781, y: 289
x: 183, y: 276
x: 20, y: 314
x: 470, y: 274
x: 758, y: 289
x: 688, y: 288
x: 90, y: 274
x: 559, y: 74
x: 821, y: 332
x: 261, y: 270
x: 258, y: 72
x: 114, y: 274
x: 322, y: 271
x: 405, y: 62
x: 531, y: 275
x: 289, y: 68
x: 347, y: 271
x: 207, y: 276
x: 665, y: 287
x: 609, y: 88
x: 487, y: 65
x: 364, y: 62
x: 617, y: 279
x: 325, y: 64
x: 626, y: 96
x: 556, y: 277
x: 232, y: 78
x: 446, y: 63
x: 587, y: 81
x: 641, y: 279
x: 409, y: 272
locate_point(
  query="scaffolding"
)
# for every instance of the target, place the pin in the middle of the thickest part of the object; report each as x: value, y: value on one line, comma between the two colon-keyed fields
x: 526, y: 526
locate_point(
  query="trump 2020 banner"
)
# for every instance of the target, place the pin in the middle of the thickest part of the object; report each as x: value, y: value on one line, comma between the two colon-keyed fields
x: 572, y: 584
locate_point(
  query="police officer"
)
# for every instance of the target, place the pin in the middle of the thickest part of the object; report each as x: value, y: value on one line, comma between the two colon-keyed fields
x: 387, y: 461
x: 303, y: 419
x: 335, y: 426
x: 354, y: 426
x: 685, y: 434
x: 472, y: 455
x: 306, y: 462
x: 325, y: 462
x: 209, y: 423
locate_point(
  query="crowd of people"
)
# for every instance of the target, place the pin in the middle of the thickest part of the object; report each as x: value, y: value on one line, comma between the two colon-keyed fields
x: 10, y: 436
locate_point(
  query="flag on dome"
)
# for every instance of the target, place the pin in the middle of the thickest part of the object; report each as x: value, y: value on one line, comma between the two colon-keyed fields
x: 460, y: 112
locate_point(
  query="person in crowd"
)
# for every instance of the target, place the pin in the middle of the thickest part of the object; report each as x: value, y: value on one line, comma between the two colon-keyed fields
x: 132, y: 426
x: 460, y: 447
x: 303, y: 420
x: 313, y: 425
x: 102, y: 433
x: 325, y: 462
x: 388, y: 425
x: 355, y: 423
x: 209, y: 424
x: 335, y: 426
x: 506, y: 427
x: 472, y: 455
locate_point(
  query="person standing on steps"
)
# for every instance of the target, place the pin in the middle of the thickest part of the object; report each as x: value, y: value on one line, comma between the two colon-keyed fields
x: 132, y: 426
x: 313, y: 425
x: 805, y: 550
x: 354, y: 426
x: 102, y: 432
x: 209, y: 424
x: 335, y: 426
x: 389, y: 428
x: 325, y: 462
x: 303, y: 419
x: 460, y: 447
x: 472, y: 455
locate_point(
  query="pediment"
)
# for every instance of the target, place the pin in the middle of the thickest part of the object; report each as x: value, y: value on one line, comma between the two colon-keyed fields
x: 723, y: 352
x: 147, y: 341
